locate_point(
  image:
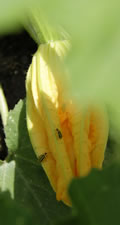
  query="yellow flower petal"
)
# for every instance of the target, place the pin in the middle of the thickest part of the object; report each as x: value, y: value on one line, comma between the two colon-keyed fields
x: 70, y: 138
x: 37, y: 133
x: 90, y: 132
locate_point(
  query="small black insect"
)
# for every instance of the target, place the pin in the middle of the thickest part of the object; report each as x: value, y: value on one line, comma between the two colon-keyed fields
x: 41, y: 157
x: 59, y: 133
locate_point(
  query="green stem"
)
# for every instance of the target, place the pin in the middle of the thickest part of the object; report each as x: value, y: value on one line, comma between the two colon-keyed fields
x: 3, y: 107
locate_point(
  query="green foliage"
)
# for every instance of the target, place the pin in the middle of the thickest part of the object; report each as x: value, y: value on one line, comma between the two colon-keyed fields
x: 12, y: 213
x: 23, y: 175
x: 96, y: 198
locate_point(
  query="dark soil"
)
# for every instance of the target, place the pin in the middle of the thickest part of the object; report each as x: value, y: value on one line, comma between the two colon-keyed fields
x: 15, y: 57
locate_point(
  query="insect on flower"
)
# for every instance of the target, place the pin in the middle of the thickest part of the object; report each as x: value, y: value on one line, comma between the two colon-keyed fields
x: 59, y: 134
x: 42, y: 157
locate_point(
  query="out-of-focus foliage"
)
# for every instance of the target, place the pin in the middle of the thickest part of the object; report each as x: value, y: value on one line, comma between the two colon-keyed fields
x: 94, y: 29
x: 96, y: 198
x: 12, y: 213
x: 12, y: 14
x: 23, y: 175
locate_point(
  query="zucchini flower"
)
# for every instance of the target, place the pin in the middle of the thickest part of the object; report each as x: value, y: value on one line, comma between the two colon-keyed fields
x: 67, y: 138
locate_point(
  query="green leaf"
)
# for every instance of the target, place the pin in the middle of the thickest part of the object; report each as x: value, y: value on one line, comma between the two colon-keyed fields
x: 15, y: 213
x: 7, y: 176
x: 17, y: 138
x: 71, y: 220
x: 96, y: 198
x: 23, y: 175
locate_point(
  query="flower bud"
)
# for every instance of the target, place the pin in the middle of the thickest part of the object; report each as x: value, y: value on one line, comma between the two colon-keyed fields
x: 68, y: 139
